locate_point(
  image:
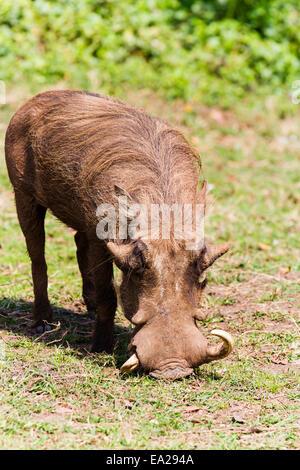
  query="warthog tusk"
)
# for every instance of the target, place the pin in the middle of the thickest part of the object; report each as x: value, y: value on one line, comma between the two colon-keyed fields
x: 219, y: 352
x: 130, y: 364
x: 226, y: 337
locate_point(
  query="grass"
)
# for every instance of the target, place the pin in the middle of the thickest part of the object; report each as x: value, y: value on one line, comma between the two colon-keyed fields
x: 55, y: 394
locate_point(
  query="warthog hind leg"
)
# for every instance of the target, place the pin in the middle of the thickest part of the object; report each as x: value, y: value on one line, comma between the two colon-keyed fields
x: 88, y: 287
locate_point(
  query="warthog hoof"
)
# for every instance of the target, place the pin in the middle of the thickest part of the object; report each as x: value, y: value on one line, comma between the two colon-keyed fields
x: 40, y: 329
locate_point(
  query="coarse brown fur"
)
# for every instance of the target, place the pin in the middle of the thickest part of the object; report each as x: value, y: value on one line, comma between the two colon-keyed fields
x: 68, y: 151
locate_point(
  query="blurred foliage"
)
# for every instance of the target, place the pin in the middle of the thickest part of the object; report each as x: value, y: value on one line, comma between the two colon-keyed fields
x: 182, y: 48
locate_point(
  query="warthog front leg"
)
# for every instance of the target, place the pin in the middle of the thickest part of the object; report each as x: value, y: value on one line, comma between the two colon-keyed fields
x: 106, y: 299
x: 31, y: 217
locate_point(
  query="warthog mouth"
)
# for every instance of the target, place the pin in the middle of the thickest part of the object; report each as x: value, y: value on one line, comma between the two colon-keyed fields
x: 172, y: 370
x: 171, y: 374
x: 169, y: 370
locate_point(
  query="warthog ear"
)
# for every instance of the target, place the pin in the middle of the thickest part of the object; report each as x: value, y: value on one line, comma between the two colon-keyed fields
x: 211, y: 253
x: 125, y: 202
x: 129, y: 255
x: 120, y: 251
x: 122, y: 192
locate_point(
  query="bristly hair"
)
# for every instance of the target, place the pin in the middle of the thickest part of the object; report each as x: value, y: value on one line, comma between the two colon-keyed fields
x: 104, y: 142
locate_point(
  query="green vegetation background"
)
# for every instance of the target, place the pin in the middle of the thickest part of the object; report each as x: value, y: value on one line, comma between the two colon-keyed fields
x: 187, y: 49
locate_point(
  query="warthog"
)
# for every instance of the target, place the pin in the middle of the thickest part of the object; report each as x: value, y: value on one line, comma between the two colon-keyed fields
x: 70, y: 152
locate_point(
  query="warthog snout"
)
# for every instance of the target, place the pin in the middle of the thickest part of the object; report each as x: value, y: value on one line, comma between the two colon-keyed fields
x: 174, y: 356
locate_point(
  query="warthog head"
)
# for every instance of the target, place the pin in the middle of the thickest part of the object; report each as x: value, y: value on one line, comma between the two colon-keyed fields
x: 160, y: 293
